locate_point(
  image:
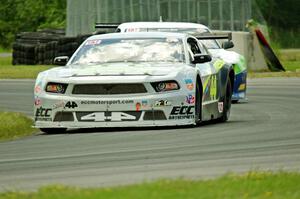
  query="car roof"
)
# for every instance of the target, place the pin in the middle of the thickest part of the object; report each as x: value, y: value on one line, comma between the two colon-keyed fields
x: 139, y: 35
x: 161, y: 25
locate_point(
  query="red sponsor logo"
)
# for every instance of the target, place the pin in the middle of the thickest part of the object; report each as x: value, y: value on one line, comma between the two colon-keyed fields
x: 37, y: 101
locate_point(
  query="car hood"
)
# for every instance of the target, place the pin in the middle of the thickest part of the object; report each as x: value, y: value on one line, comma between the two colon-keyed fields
x: 117, y: 69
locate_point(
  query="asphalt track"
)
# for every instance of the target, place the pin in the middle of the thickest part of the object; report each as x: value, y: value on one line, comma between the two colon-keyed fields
x: 262, y: 134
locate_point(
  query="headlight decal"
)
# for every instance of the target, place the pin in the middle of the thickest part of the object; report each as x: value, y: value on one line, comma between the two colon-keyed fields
x: 53, y: 87
x: 165, y: 86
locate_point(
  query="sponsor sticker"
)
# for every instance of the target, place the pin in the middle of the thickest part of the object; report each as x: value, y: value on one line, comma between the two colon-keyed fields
x: 44, y: 119
x: 132, y: 30
x: 220, y: 107
x: 242, y: 87
x: 162, y: 103
x: 43, y: 114
x: 190, y: 99
x: 60, y: 104
x: 93, y: 42
x: 144, y: 103
x: 138, y: 106
x: 37, y: 89
x: 182, y: 112
x: 109, y: 102
x: 37, y: 101
x: 189, y: 84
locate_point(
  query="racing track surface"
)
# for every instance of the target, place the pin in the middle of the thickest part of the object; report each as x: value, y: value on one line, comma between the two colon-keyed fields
x: 263, y: 134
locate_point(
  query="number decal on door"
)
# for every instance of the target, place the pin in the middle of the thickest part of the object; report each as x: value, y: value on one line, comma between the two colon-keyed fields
x: 213, y: 87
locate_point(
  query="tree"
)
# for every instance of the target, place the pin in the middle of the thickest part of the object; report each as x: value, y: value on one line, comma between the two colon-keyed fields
x: 30, y: 15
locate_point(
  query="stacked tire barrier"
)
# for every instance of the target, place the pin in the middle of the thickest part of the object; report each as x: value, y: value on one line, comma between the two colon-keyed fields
x: 42, y: 47
x: 30, y: 47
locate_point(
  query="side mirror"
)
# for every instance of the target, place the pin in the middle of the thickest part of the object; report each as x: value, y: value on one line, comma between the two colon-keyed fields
x: 227, y: 45
x: 199, y: 58
x: 61, y: 61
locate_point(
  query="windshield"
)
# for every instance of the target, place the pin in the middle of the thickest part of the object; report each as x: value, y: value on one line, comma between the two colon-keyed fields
x: 130, y: 50
x: 210, y: 44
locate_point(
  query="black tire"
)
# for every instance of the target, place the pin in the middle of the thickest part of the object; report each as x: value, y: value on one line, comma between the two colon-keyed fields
x: 53, y: 130
x: 198, y: 104
x: 234, y: 101
x: 226, y: 102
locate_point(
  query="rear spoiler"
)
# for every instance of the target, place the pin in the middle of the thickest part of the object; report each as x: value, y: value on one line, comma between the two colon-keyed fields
x: 206, y: 36
x: 107, y: 25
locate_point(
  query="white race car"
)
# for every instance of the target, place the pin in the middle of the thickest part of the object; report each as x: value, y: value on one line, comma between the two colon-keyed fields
x: 134, y: 79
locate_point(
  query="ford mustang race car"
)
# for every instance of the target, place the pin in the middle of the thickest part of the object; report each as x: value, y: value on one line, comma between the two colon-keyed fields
x: 230, y: 57
x: 134, y: 79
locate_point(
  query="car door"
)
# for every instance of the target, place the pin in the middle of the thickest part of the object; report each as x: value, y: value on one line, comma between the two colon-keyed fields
x: 207, y: 70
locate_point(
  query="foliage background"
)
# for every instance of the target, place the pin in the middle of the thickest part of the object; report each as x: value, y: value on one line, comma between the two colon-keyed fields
x: 29, y: 15
x: 282, y: 17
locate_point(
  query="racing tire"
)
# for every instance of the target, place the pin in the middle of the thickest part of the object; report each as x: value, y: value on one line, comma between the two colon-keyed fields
x: 53, y: 130
x: 226, y: 103
x: 234, y: 101
x: 198, y: 105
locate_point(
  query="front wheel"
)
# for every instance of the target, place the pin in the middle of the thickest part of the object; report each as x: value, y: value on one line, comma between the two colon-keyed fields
x: 53, y: 130
x: 226, y: 103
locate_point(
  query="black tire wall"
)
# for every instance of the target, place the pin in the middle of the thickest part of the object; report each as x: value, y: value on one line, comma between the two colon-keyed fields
x: 42, y: 47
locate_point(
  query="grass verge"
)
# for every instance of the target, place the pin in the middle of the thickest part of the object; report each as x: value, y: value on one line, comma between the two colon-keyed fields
x: 8, y: 71
x: 15, y: 125
x: 5, y: 50
x: 252, y: 75
x: 250, y: 185
x: 290, y: 59
x: 291, y: 65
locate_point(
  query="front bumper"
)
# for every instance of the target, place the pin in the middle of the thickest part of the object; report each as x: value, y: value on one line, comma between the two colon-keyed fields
x: 161, y: 109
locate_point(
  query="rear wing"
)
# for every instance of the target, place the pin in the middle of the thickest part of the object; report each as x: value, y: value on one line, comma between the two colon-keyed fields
x: 107, y: 25
x: 206, y: 36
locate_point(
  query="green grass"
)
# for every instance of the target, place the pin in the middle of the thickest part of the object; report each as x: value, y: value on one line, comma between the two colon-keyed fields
x: 289, y: 54
x: 4, y: 50
x: 272, y: 74
x: 291, y: 65
x: 15, y: 125
x: 8, y: 71
x: 289, y: 58
x: 248, y: 186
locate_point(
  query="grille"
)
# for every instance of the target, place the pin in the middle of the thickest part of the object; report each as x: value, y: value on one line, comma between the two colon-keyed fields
x: 108, y: 89
x: 63, y: 117
x: 154, y: 115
